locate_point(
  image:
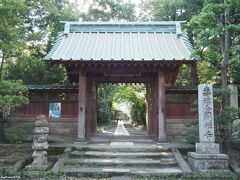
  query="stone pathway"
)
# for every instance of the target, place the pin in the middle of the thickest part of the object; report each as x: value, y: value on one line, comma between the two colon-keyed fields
x: 120, y: 155
x: 121, y: 130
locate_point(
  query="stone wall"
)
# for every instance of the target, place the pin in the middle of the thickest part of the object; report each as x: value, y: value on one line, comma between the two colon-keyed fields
x: 177, y: 131
x: 61, y: 129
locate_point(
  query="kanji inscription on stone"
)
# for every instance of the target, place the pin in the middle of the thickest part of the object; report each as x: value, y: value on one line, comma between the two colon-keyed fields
x: 206, y: 113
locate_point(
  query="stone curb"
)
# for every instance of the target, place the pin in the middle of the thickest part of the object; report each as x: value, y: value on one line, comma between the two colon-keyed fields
x: 61, y: 160
x: 182, y: 163
x: 234, y: 167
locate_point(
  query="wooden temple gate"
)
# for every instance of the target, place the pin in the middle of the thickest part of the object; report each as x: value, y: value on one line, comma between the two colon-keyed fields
x: 149, y: 53
x: 155, y: 75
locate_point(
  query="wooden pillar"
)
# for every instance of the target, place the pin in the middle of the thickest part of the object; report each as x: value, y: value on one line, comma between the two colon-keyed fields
x: 161, y: 107
x: 81, y: 105
x: 153, y: 104
x: 88, y: 107
x: 194, y: 78
x: 148, y: 106
x: 94, y: 107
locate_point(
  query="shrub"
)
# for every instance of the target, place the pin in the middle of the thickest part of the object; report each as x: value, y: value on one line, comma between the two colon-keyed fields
x: 192, y: 136
x: 138, y: 112
x: 215, y: 174
x: 18, y: 133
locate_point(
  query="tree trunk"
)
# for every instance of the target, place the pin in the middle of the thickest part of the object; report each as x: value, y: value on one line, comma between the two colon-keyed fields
x: 225, y: 52
x: 1, y: 66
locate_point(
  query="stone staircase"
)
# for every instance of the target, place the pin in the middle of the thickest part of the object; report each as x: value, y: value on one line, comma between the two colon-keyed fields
x: 118, y: 159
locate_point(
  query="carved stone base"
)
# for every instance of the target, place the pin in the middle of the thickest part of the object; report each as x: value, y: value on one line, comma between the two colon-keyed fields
x: 39, y: 158
x: 207, y: 162
x: 34, y: 167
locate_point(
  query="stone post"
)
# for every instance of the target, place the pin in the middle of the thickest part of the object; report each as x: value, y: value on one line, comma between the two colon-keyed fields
x: 40, y: 145
x: 207, y: 155
x: 234, y: 104
x: 233, y: 95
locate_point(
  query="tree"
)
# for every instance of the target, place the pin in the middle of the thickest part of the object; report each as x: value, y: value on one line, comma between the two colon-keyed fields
x: 104, y: 102
x: 24, y: 47
x: 136, y: 96
x: 110, y: 10
x: 12, y: 28
x: 170, y: 10
x: 12, y: 94
x: 32, y: 70
x: 216, y: 35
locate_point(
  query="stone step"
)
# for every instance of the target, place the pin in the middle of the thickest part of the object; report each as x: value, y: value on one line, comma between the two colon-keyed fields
x: 126, y: 137
x: 111, y: 171
x: 122, y: 147
x: 121, y: 154
x: 107, y: 140
x: 164, y: 162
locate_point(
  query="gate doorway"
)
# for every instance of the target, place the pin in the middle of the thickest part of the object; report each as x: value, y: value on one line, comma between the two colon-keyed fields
x: 121, y: 109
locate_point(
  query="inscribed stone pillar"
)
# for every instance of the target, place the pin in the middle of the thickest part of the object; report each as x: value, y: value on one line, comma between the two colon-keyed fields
x: 161, y: 107
x: 206, y: 120
x: 207, y: 155
x: 81, y: 105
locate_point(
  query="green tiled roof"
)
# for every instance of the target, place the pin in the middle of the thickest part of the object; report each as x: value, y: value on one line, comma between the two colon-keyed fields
x: 121, y: 41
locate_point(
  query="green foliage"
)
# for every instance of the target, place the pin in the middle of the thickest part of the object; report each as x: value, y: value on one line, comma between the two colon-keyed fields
x: 190, y: 123
x: 18, y: 133
x: 135, y: 95
x: 184, y: 76
x: 138, y: 112
x: 104, y: 102
x: 208, y: 29
x: 28, y: 29
x: 104, y: 127
x: 174, y: 10
x: 18, y: 166
x: 12, y: 94
x: 110, y: 10
x: 224, y: 124
x: 12, y: 13
x: 33, y: 70
x: 207, y: 73
x: 215, y: 174
x: 192, y: 136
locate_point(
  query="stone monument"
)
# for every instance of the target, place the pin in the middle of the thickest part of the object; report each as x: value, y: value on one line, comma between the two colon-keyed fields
x: 40, y: 145
x: 207, y: 155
